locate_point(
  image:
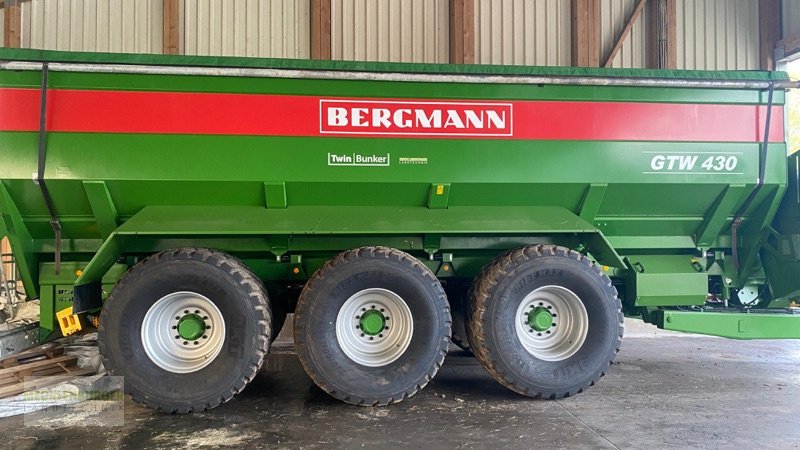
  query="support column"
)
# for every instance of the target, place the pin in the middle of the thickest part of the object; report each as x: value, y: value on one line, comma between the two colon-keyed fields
x: 586, y: 33
x: 769, y: 31
x: 662, y: 36
x: 320, y: 29
x: 171, y: 19
x: 462, y: 31
x: 12, y: 24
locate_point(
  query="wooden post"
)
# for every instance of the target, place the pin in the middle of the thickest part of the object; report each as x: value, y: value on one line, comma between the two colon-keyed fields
x: 769, y: 30
x: 5, y: 248
x: 12, y: 24
x: 662, y: 35
x: 171, y: 27
x: 586, y: 33
x: 462, y: 31
x: 320, y: 29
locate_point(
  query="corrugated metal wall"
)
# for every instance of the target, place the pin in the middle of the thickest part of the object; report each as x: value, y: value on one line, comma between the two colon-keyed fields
x: 530, y: 32
x: 791, y: 17
x: 2, y: 27
x: 614, y: 15
x: 717, y: 34
x: 712, y: 34
x: 93, y: 25
x: 265, y: 28
x: 390, y: 30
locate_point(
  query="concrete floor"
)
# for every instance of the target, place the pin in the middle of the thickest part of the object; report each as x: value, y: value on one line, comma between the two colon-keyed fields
x: 664, y: 391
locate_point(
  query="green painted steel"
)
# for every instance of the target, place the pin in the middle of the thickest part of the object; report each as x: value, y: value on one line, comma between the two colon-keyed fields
x: 277, y: 203
x: 191, y: 327
x: 372, y: 322
x: 540, y: 319
x: 773, y: 325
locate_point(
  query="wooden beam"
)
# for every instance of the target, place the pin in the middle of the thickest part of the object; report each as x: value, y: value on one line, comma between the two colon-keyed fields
x: 625, y: 31
x: 5, y: 248
x: 462, y: 31
x: 788, y: 46
x: 662, y: 35
x: 586, y: 33
x: 171, y: 18
x: 320, y: 29
x: 769, y: 31
x: 12, y: 24
x: 3, y: 2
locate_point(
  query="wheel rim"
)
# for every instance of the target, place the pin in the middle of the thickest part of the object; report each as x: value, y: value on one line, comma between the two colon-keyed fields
x: 552, y: 323
x: 183, y: 332
x: 374, y: 327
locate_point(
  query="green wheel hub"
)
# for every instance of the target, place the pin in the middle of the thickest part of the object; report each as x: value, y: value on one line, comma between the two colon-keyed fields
x: 540, y: 319
x: 372, y: 322
x: 191, y: 327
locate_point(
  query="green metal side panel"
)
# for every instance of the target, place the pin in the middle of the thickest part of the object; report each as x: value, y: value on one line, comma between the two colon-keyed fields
x: 57, y: 291
x: 13, y: 226
x: 734, y: 325
x: 260, y: 196
x: 281, y: 227
x: 667, y: 280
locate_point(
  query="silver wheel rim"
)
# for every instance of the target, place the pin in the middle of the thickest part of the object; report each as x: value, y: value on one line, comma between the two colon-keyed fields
x: 569, y: 323
x: 163, y: 343
x: 384, y: 347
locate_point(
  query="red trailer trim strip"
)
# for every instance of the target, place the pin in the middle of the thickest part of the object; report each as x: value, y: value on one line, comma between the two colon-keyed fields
x: 283, y: 115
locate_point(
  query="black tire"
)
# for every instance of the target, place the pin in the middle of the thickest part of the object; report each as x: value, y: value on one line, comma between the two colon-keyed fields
x: 457, y: 295
x: 325, y: 294
x: 499, y: 290
x: 242, y: 302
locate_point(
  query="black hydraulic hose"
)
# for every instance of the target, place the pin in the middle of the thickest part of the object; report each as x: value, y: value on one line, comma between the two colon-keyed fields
x: 762, y: 168
x: 54, y: 223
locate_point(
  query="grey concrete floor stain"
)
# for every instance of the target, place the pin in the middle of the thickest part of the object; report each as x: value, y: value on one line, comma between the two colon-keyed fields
x: 663, y: 391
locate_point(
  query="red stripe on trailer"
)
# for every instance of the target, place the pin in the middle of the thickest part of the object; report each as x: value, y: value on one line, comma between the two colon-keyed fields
x: 287, y: 115
x: 19, y: 109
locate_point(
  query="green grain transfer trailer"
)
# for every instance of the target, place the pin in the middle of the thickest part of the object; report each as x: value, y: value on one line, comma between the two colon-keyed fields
x: 191, y: 203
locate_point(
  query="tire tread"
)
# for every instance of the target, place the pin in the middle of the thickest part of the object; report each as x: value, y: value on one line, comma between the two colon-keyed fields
x: 313, y: 284
x: 233, y: 267
x: 480, y: 295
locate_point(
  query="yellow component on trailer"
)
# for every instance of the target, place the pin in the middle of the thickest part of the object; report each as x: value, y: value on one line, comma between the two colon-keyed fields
x: 69, y: 323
